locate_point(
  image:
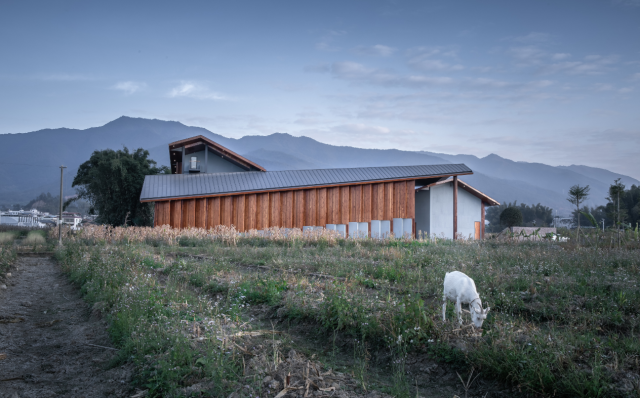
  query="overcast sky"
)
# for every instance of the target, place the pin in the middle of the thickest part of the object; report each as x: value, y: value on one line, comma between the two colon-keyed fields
x: 555, y: 82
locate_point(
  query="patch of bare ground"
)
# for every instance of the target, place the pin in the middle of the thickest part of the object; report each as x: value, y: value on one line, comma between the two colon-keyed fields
x: 50, y: 343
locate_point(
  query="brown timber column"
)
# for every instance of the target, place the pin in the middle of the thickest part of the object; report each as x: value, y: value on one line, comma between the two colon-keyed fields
x: 455, y: 207
x: 481, y: 219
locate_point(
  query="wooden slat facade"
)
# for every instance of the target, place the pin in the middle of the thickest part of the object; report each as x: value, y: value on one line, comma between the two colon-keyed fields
x: 292, y: 209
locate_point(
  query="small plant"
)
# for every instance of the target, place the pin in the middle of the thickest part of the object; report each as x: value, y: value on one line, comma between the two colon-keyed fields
x: 361, y: 358
x: 6, y: 237
x: 466, y: 385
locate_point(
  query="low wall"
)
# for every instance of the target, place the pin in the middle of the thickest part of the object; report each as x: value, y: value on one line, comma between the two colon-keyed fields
x: 528, y: 231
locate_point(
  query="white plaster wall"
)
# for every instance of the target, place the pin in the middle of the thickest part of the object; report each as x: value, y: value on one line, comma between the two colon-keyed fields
x: 441, y: 210
x: 469, y: 211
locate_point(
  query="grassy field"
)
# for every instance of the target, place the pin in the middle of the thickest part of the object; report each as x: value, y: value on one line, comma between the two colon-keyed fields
x: 563, y: 320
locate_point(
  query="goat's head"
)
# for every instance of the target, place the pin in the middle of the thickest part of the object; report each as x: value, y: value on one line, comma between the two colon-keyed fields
x: 478, y: 315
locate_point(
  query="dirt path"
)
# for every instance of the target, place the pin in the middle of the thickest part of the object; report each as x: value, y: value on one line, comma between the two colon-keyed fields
x: 46, y: 332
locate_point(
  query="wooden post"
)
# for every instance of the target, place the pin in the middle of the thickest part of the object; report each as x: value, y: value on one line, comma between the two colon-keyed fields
x: 206, y: 158
x: 482, y: 220
x: 455, y: 207
x: 60, y: 216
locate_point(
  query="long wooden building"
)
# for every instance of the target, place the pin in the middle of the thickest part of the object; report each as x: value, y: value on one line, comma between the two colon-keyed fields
x: 211, y: 185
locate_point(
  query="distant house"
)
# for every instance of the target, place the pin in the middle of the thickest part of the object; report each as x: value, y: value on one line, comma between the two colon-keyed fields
x: 72, y: 219
x: 21, y: 218
x: 434, y: 213
x: 211, y: 185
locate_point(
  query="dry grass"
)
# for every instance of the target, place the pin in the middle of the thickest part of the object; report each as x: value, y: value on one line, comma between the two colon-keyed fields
x: 564, y: 320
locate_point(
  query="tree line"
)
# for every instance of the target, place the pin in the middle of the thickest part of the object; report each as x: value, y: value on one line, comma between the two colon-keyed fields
x: 532, y: 215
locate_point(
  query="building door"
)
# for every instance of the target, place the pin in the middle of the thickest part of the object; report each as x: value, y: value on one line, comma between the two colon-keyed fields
x: 477, y: 230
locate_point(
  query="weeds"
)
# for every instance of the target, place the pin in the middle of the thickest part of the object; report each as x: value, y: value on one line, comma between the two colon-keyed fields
x: 564, y: 323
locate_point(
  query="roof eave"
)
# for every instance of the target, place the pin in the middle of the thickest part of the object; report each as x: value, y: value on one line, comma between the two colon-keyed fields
x: 165, y: 198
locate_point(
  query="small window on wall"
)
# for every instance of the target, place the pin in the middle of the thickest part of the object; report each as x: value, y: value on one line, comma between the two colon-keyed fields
x: 194, y: 161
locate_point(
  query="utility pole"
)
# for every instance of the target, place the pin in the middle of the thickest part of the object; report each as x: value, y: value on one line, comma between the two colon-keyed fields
x: 60, y: 216
x: 603, y: 225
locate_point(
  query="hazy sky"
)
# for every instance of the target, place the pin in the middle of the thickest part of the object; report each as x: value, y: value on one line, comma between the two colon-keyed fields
x: 556, y: 82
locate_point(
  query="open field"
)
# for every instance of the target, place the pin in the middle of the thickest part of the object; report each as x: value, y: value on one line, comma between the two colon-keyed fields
x: 564, y: 321
x: 182, y: 306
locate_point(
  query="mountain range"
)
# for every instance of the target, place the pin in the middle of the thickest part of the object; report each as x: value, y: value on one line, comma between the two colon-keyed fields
x: 30, y: 161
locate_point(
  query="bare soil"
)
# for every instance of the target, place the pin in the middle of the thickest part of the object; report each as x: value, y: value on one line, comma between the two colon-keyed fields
x: 50, y: 344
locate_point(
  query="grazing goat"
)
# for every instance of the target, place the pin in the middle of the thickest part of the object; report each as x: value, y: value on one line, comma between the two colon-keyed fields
x: 460, y: 288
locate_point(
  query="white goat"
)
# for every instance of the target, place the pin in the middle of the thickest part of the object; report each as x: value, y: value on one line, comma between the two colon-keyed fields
x: 460, y: 288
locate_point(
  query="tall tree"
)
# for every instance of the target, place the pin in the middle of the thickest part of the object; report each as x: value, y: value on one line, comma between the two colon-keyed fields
x: 617, y: 192
x: 510, y: 217
x: 111, y: 181
x: 578, y: 195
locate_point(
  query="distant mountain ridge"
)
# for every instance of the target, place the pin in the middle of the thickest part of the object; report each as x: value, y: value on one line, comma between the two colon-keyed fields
x: 30, y: 161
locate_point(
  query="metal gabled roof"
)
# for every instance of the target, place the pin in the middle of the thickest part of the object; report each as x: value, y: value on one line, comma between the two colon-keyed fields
x: 170, y: 186
x: 473, y: 191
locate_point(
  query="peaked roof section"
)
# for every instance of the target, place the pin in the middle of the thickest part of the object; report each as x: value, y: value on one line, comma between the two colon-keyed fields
x: 487, y: 199
x: 178, y: 186
x: 216, y: 148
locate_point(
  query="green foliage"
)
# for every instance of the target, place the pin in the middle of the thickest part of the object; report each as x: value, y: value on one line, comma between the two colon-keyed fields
x: 561, y: 320
x: 532, y: 215
x: 7, y: 257
x: 591, y: 218
x: 578, y: 194
x: 629, y: 204
x: 111, y: 181
x: 146, y: 321
x: 511, y: 217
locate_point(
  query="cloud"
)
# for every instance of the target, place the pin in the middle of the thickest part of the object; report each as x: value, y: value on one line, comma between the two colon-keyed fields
x: 533, y: 37
x: 528, y: 55
x: 427, y: 59
x: 189, y: 89
x: 65, y: 77
x: 591, y: 65
x: 129, y: 87
x: 636, y: 76
x: 326, y: 42
x: 362, y: 129
x: 318, y: 68
x: 364, y: 135
x: 358, y: 73
x: 309, y: 118
x: 628, y: 3
x: 625, y: 90
x: 546, y: 63
x: 377, y: 50
x: 603, y: 87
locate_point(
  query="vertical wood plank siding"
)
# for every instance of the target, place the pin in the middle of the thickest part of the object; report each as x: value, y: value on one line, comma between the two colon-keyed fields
x: 213, y: 212
x: 263, y: 211
x: 321, y: 215
x: 226, y: 211
x: 292, y: 209
x: 275, y: 219
x: 201, y: 213
x: 251, y: 208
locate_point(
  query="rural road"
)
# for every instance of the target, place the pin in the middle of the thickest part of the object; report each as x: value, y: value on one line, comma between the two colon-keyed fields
x: 49, y: 340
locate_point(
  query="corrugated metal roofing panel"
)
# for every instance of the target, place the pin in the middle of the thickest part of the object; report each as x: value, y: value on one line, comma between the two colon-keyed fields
x: 167, y: 186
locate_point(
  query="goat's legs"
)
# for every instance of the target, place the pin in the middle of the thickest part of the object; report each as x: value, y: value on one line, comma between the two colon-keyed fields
x: 444, y: 307
x: 459, y: 310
